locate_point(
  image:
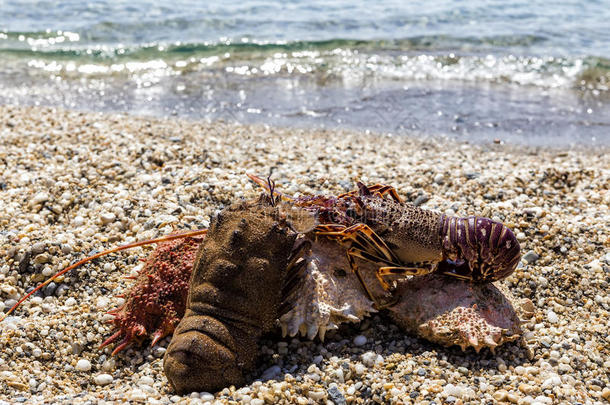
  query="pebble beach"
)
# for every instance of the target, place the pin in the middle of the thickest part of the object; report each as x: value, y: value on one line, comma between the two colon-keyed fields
x: 74, y: 183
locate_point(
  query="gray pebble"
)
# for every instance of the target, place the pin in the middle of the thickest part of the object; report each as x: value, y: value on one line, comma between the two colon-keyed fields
x: 38, y: 248
x: 360, y: 340
x: 49, y: 289
x: 531, y: 257
x: 422, y: 199
x: 271, y: 372
x: 62, y: 289
x: 336, y: 396
x: 77, y: 348
x: 24, y: 262
x: 9, y: 303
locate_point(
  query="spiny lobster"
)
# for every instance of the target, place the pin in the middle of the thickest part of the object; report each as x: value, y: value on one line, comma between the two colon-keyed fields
x: 406, y: 240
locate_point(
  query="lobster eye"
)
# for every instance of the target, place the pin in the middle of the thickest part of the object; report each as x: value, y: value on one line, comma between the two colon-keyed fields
x: 351, y: 212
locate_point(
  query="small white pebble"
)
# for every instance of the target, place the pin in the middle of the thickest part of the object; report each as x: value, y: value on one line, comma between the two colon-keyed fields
x: 83, y: 365
x: 137, y: 395
x: 101, y: 303
x: 146, y: 380
x: 552, y: 381
x: 552, y: 317
x: 102, y: 379
x: 453, y: 390
x: 369, y: 358
x: 159, y: 351
x: 78, y: 220
x: 107, y: 217
x: 315, y: 395
x: 70, y: 302
x: 40, y: 198
x: 47, y: 271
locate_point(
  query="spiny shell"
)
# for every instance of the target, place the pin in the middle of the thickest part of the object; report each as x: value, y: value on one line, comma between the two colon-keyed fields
x: 328, y: 293
x: 450, y: 311
x: 155, y: 304
x: 440, y: 309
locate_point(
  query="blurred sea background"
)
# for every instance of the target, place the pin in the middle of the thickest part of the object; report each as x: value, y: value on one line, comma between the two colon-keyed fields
x: 526, y: 72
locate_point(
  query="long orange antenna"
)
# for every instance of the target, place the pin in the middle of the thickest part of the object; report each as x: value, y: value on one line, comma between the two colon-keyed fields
x: 100, y: 254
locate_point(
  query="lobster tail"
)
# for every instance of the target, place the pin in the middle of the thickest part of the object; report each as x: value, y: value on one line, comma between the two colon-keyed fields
x: 479, y: 249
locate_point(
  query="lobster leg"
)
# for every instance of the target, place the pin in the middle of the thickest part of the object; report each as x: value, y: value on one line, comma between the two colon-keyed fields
x: 378, y: 190
x: 356, y: 270
x: 359, y: 233
x: 364, y: 244
x: 393, y: 269
x: 403, y: 271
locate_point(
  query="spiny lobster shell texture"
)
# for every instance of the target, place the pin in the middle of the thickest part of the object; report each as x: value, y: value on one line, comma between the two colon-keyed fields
x: 156, y: 303
x: 234, y: 296
x: 435, y: 307
x: 327, y: 293
x: 450, y: 312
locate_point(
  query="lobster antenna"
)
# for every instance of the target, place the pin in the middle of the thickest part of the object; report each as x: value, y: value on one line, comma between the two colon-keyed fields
x: 267, y: 186
x: 271, y: 185
x: 100, y: 254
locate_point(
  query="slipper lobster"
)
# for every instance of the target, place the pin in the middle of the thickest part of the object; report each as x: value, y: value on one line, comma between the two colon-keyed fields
x: 405, y: 240
x: 235, y: 296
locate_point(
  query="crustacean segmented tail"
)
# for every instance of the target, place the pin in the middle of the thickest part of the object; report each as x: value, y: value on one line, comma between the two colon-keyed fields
x: 477, y: 248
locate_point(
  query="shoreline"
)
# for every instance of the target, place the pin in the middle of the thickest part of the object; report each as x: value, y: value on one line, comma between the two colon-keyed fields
x: 72, y: 182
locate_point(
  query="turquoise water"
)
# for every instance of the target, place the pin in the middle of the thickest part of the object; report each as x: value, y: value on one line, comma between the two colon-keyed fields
x: 525, y: 72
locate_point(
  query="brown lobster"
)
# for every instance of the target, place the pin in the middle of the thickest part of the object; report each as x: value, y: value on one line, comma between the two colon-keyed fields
x: 406, y: 240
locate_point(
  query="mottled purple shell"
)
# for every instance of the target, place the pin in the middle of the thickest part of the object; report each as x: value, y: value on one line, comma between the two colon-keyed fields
x: 479, y: 248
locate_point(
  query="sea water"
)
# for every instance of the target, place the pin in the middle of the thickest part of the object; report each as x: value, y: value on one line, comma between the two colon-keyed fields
x: 528, y: 72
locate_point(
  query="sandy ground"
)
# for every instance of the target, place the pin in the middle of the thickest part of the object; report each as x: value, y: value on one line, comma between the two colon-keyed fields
x: 72, y: 183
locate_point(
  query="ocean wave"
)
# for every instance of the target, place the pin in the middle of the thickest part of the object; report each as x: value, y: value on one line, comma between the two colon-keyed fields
x: 350, y: 62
